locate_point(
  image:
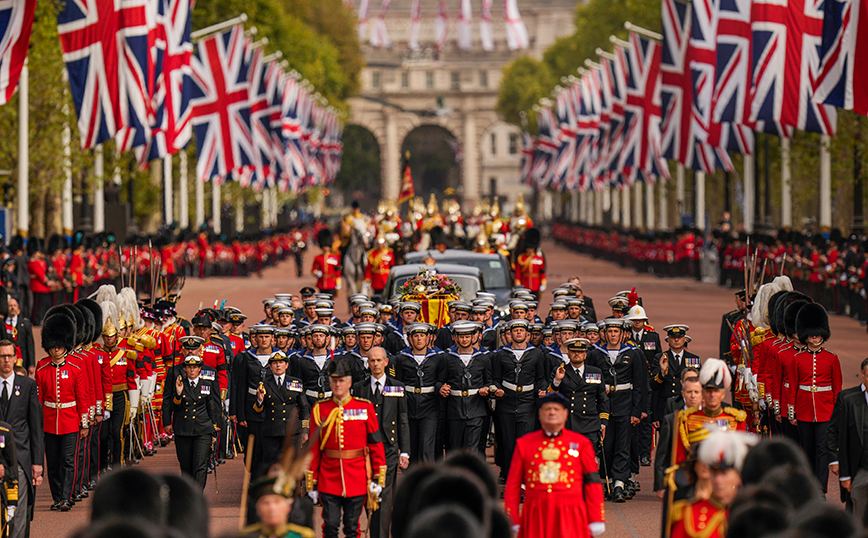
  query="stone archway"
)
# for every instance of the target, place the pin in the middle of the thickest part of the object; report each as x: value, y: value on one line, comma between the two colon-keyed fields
x: 361, y: 169
x: 434, y: 159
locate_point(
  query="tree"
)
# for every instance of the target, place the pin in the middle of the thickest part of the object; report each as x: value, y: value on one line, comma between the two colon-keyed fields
x: 525, y: 81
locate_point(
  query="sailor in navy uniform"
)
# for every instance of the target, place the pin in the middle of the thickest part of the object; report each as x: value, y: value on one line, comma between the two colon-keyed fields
x: 667, y: 369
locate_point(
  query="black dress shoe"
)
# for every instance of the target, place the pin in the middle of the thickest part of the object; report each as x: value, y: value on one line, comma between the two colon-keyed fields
x: 84, y: 493
x: 230, y: 456
x: 91, y: 484
x: 65, y: 506
x: 501, y: 479
x: 645, y: 461
x: 635, y: 486
x: 221, y: 461
x: 56, y: 506
x: 618, y: 496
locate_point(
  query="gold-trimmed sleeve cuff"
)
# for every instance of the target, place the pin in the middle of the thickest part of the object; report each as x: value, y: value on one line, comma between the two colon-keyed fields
x: 310, y: 483
x: 177, y: 400
x: 381, y: 479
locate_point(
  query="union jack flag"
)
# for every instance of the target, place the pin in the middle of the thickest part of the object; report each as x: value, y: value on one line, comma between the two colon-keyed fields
x: 105, y: 47
x: 838, y: 82
x: 294, y: 98
x: 617, y: 127
x: 642, y: 157
x: 600, y: 164
x: 171, y: 55
x: 565, y: 156
x: 787, y: 37
x: 546, y: 147
x: 16, y: 24
x: 527, y: 154
x: 221, y: 105
x: 588, y: 129
x: 260, y: 121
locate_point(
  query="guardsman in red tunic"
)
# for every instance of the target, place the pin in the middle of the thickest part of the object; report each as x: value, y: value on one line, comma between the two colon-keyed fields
x: 716, y: 379
x: 62, y: 392
x: 122, y: 374
x: 723, y: 451
x: 327, y: 266
x: 349, y: 462
x: 563, y: 496
x: 380, y: 263
x: 814, y: 387
x: 530, y: 267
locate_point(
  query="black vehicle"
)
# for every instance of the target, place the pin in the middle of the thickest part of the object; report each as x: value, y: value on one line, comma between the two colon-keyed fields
x: 469, y: 279
x: 496, y: 275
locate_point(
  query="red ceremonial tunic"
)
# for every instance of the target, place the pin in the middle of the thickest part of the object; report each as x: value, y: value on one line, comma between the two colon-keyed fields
x: 380, y: 263
x: 530, y: 272
x: 815, y: 385
x: 63, y: 395
x: 562, y: 495
x: 328, y: 264
x: 347, y: 434
x: 698, y: 518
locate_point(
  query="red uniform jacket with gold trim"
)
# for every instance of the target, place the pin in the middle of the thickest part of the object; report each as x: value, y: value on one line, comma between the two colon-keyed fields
x: 347, y: 433
x: 63, y: 394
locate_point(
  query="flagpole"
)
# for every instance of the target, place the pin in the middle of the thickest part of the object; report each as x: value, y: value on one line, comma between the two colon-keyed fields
x: 749, y: 185
x: 99, y: 191
x: 214, y: 28
x: 639, y: 189
x: 825, y: 183
x: 786, y: 185
x: 66, y: 140
x: 24, y: 151
x: 663, y: 221
x: 183, y: 192
x: 699, y: 180
x: 200, y: 203
x: 168, y: 191
x: 630, y: 27
x: 215, y: 205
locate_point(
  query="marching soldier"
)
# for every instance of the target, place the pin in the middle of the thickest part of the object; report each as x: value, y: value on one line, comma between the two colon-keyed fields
x: 380, y: 261
x: 122, y: 371
x: 62, y: 390
x: 248, y: 373
x: 349, y: 463
x: 388, y: 396
x: 418, y: 367
x: 466, y: 383
x: 327, y: 266
x: 191, y: 412
x: 275, y: 398
x: 519, y: 372
x: 530, y: 267
x: 624, y: 375
x: 590, y: 415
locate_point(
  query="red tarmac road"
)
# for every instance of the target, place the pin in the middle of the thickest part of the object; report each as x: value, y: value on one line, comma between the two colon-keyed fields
x: 666, y: 301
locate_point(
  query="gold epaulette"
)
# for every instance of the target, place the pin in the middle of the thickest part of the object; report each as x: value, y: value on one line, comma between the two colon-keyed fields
x: 676, y: 512
x: 737, y: 414
x: 362, y: 400
x: 650, y: 328
x: 758, y: 335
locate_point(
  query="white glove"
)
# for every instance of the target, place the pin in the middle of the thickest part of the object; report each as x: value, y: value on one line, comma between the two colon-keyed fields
x: 152, y: 386
x: 542, y: 288
x: 318, y: 274
x: 106, y: 414
x: 597, y: 528
x: 515, y: 529
x: 226, y: 405
x: 376, y: 489
x: 135, y: 395
x: 10, y: 512
x: 314, y: 496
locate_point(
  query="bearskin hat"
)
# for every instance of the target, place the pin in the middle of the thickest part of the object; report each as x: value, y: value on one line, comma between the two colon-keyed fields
x: 86, y: 334
x: 4, y: 302
x: 812, y: 320
x: 324, y: 238
x: 96, y: 311
x: 532, y: 238
x: 16, y: 243
x: 58, y: 330
x: 34, y: 245
x: 773, y: 314
x: 81, y: 331
x: 438, y: 236
x: 790, y: 316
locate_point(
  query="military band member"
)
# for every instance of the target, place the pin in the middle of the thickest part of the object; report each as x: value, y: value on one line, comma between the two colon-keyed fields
x: 582, y: 385
x: 518, y: 373
x: 327, y: 266
x: 349, y: 462
x: 466, y: 378
x: 61, y: 386
x: 380, y: 262
x: 530, y: 267
x: 562, y: 492
x: 191, y: 412
x: 276, y: 396
x: 390, y: 402
x: 418, y: 367
x: 667, y: 369
x: 122, y: 369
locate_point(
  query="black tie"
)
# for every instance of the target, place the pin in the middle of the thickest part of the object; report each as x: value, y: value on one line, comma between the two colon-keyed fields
x: 193, y: 384
x: 280, y: 381
x: 4, y: 398
x: 377, y: 390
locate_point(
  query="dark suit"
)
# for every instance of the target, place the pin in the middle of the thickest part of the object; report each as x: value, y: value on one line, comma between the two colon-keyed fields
x: 24, y: 416
x: 832, y: 436
x: 194, y: 416
x: 391, y: 408
x: 24, y: 342
x: 589, y: 312
x: 852, y: 458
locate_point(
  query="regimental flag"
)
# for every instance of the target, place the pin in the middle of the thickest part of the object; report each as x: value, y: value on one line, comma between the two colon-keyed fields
x: 171, y: 54
x: 787, y: 38
x: 839, y: 82
x: 221, y: 105
x: 407, y: 190
x: 105, y: 47
x: 16, y: 25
